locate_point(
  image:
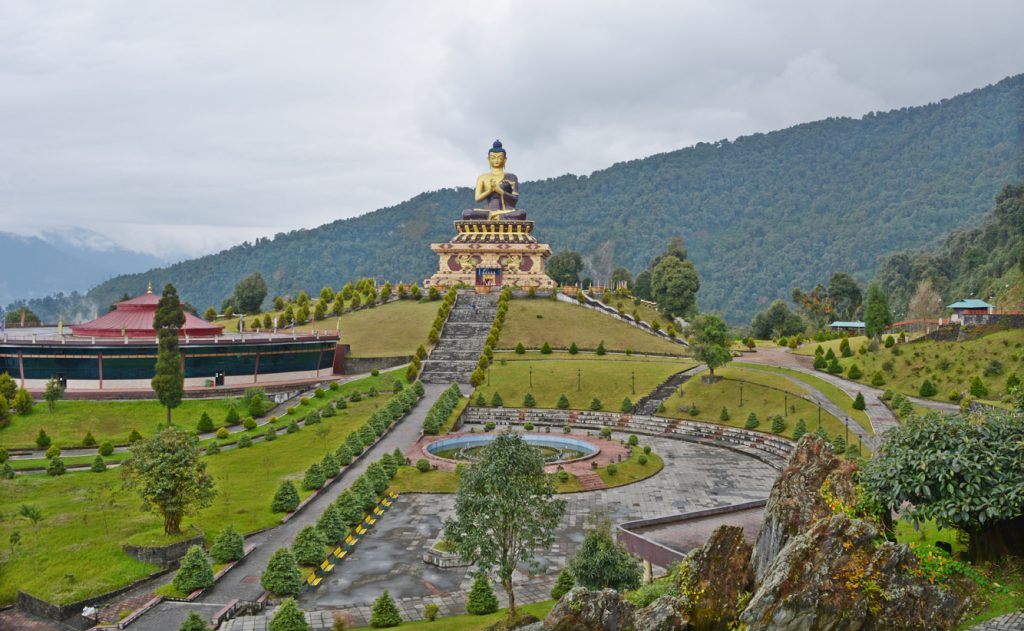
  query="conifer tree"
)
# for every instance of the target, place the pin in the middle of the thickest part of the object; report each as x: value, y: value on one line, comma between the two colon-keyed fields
x: 385, y: 612
x: 289, y: 617
x: 282, y: 576
x: 194, y: 572
x: 482, y: 599
x: 286, y: 499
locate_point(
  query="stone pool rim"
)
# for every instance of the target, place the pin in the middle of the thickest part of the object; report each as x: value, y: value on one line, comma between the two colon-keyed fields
x: 574, y: 440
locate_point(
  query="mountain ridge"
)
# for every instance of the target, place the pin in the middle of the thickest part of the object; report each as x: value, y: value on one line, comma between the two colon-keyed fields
x: 760, y: 214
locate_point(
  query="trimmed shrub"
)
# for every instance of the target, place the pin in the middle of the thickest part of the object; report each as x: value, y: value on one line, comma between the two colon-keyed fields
x: 642, y: 460
x: 752, y: 421
x: 232, y: 417
x: 344, y: 455
x: 313, y: 418
x: 228, y: 546
x: 858, y: 402
x: 647, y: 449
x: 928, y: 389
x: 529, y: 401
x: 289, y: 617
x: 612, y: 469
x: 563, y: 402
x: 482, y: 600
x: 270, y: 435
x: 52, y: 451
x: 205, y: 424
x: 528, y: 426
x: 282, y: 576
x: 309, y: 545
x: 600, y: 348
x: 520, y: 349
x: 423, y: 465
x: 194, y: 572
x: 573, y: 349
x: 496, y: 400
x: 854, y: 372
x: 627, y: 405
x: 430, y: 609
x: 56, y: 467
x: 314, y: 477
x: 106, y: 448
x: 88, y: 441
x: 978, y: 388
x: 245, y: 441
x: 330, y: 466
x: 877, y: 379
x: 778, y: 424
x: 286, y: 499
x: 98, y: 465
x: 213, y: 449
x: 193, y: 623
x: 724, y: 414
x: 596, y: 404
x: 332, y: 524
x: 223, y: 433
x: 800, y: 429
x: 249, y: 423
x: 545, y: 349
x: 562, y: 585
x: 292, y: 427
x: 42, y: 439
x: 385, y: 613
x: 480, y: 401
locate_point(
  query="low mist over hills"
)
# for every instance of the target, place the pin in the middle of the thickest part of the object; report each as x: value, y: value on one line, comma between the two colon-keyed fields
x: 760, y: 215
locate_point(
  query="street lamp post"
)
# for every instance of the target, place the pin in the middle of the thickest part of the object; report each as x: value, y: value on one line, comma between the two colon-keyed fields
x: 632, y: 377
x: 847, y: 429
x: 741, y: 394
x: 531, y: 375
x: 578, y: 379
x: 785, y: 404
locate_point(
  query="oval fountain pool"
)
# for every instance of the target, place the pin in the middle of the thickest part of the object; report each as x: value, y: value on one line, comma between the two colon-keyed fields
x: 554, y: 449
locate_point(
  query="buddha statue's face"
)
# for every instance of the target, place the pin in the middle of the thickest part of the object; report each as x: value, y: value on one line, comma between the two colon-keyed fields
x: 496, y: 159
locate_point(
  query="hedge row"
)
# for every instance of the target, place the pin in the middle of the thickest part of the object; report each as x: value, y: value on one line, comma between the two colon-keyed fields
x: 435, y: 333
x: 487, y: 355
x: 438, y: 413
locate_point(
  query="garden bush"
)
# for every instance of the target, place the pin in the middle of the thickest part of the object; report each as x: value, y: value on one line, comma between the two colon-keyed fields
x: 528, y: 426
x: 314, y: 477
x: 205, y: 423
x: 612, y: 469
x: 330, y: 466
x: 52, y: 451
x: 596, y: 405
x: 385, y: 613
x: 213, y: 449
x: 89, y: 440
x: 859, y: 403
x: 286, y: 499
x: 800, y: 429
x: 482, y: 600
x: 343, y: 455
x: 778, y: 424
x: 545, y: 349
x: 249, y: 423
x: 332, y: 524
x: 289, y: 617
x: 529, y: 401
x: 854, y: 372
x: 627, y: 405
x: 562, y: 585
x: 245, y: 441
x: 223, y: 433
x: 309, y: 546
x: 752, y: 421
x: 928, y: 389
x: 228, y: 546
x: 55, y: 467
x: 194, y: 623
x: 194, y: 572
x: 724, y: 415
x: 423, y: 465
x: 642, y: 460
x: 98, y: 465
x: 292, y: 427
x: 282, y: 576
x: 232, y: 417
x: 520, y: 349
x: 430, y: 609
x: 600, y: 348
x: 270, y: 435
x: 106, y: 448
x: 42, y: 439
x: 563, y: 402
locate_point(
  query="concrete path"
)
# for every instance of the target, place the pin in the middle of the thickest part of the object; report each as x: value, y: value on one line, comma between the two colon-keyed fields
x: 243, y: 582
x: 695, y: 476
x: 1009, y: 622
x: 882, y: 419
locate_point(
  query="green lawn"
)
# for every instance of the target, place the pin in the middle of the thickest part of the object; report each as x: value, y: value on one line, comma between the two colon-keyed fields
x: 535, y: 321
x: 833, y: 392
x: 75, y: 551
x: 759, y: 396
x: 469, y: 622
x: 396, y: 328
x: 631, y: 470
x: 990, y: 601
x: 949, y: 365
x: 410, y: 480
x: 606, y: 378
x: 107, y: 420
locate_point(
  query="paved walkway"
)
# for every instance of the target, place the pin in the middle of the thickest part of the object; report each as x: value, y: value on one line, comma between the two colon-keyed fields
x: 695, y: 476
x: 243, y: 582
x: 882, y: 419
x: 1009, y: 622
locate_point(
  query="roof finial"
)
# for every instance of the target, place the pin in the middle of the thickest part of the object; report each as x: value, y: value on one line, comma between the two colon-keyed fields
x: 149, y: 289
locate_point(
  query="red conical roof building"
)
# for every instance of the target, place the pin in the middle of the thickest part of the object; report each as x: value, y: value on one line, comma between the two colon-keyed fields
x: 134, y: 318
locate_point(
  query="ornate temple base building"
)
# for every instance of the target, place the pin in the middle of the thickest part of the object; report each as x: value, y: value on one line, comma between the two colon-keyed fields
x: 494, y: 245
x: 492, y: 253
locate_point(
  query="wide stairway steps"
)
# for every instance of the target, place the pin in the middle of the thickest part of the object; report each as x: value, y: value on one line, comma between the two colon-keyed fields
x: 649, y: 404
x: 463, y: 336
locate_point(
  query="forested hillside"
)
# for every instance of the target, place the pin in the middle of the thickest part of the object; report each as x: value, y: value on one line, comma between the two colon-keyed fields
x: 760, y: 215
x: 986, y: 262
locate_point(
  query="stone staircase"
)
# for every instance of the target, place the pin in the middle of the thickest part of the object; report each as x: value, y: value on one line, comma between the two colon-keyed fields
x: 648, y: 405
x: 462, y: 340
x: 590, y: 481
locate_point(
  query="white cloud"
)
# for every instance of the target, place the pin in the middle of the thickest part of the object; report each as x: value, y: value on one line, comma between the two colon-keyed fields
x: 185, y: 127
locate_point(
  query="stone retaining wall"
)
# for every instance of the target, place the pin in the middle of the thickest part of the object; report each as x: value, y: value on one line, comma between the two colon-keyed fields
x: 358, y: 365
x: 162, y: 555
x: 770, y: 449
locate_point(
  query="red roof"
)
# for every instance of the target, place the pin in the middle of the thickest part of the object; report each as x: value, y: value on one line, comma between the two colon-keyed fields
x: 134, y: 318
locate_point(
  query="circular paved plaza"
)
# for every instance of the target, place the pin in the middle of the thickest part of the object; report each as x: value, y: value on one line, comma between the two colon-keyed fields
x: 695, y: 476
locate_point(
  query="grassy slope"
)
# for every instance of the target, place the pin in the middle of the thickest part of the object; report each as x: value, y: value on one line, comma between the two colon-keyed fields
x: 88, y: 516
x: 963, y: 360
x: 606, y: 378
x: 538, y: 320
x: 396, y: 328
x: 107, y: 420
x: 764, y: 401
x: 410, y: 480
x: 470, y: 622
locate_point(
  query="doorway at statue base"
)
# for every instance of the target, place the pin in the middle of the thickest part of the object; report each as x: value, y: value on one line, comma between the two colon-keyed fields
x: 491, y: 253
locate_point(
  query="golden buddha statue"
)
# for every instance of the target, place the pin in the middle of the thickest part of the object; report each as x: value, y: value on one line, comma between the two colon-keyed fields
x: 498, y: 190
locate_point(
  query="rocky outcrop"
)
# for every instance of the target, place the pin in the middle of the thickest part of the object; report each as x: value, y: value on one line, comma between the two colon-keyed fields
x: 714, y: 577
x: 582, y: 610
x: 661, y: 615
x: 835, y: 576
x: 795, y: 504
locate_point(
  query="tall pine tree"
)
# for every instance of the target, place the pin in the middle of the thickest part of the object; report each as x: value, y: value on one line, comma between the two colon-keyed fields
x: 169, y: 380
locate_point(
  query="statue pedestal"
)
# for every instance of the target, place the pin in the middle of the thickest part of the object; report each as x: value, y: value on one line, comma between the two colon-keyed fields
x: 495, y: 253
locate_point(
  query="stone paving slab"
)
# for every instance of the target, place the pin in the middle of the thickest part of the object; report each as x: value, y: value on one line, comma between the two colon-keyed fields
x: 1009, y: 622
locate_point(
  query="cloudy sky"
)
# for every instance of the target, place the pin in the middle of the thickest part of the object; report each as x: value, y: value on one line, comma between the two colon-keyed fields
x: 183, y: 127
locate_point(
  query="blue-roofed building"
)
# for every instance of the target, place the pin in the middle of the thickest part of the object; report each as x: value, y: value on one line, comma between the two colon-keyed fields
x: 853, y: 327
x: 969, y: 307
